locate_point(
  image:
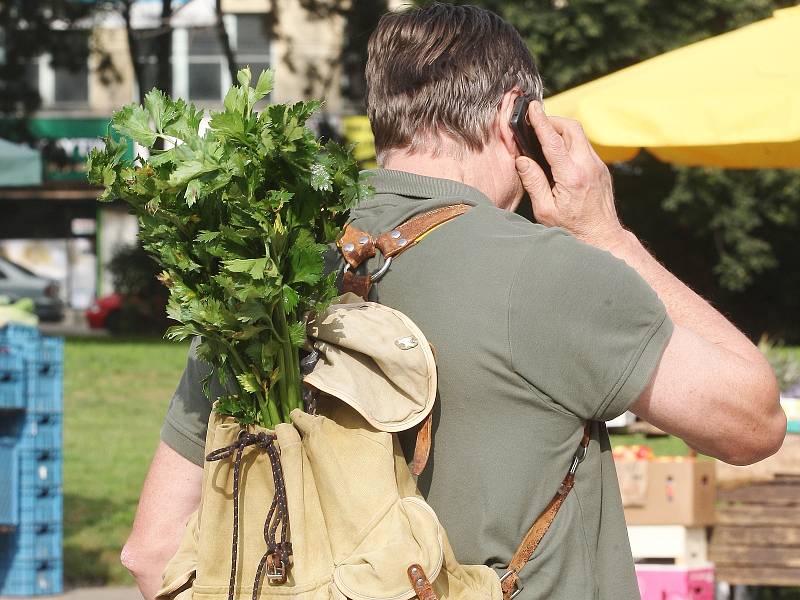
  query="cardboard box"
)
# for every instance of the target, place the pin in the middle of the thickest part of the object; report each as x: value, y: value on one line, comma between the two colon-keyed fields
x: 624, y: 420
x: 668, y: 491
x: 666, y: 582
x: 669, y: 544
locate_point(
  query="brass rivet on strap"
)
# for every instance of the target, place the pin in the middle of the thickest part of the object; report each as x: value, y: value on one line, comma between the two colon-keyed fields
x: 348, y: 247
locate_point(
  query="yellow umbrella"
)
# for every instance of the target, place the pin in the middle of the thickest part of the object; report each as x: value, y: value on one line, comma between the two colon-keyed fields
x: 729, y: 101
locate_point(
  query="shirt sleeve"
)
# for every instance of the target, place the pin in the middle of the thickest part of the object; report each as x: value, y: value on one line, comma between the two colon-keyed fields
x: 585, y: 330
x: 186, y: 422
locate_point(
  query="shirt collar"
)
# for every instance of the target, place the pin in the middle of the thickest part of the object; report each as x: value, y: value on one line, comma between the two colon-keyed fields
x: 411, y: 185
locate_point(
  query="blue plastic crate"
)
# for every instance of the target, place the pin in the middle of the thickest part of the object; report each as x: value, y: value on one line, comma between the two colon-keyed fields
x: 9, y: 489
x: 12, y: 424
x: 12, y: 378
x: 44, y: 388
x: 41, y: 431
x: 34, y: 578
x: 39, y: 468
x: 34, y: 375
x: 51, y: 350
x: 23, y: 346
x: 41, y: 505
x: 17, y: 331
x: 32, y: 543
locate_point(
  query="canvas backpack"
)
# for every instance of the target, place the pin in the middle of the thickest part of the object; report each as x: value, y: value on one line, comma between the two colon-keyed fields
x: 326, y: 507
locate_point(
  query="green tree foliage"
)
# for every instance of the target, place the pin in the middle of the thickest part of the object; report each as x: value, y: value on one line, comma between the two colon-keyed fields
x: 731, y: 234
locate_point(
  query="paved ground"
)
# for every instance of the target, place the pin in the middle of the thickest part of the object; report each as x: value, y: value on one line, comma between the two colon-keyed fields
x: 105, y: 593
x: 73, y: 324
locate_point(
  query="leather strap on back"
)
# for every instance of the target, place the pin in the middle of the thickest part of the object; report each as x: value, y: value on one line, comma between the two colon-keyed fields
x: 539, y: 528
x: 358, y: 246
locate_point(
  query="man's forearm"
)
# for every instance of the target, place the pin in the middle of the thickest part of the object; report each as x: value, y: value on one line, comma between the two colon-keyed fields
x: 170, y: 494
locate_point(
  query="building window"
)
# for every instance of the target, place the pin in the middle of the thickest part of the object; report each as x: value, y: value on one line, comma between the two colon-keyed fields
x: 146, y: 49
x: 206, y: 65
x: 63, y: 80
x: 71, y: 85
x: 252, y: 43
x: 201, y: 69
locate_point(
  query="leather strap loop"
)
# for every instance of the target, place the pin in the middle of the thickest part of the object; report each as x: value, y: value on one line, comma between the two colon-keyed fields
x: 422, y: 448
x: 543, y: 522
x: 356, y: 246
x: 360, y: 285
x: 420, y: 584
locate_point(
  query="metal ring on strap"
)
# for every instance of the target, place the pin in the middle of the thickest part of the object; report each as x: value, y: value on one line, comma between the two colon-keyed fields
x: 517, y: 589
x: 378, y: 273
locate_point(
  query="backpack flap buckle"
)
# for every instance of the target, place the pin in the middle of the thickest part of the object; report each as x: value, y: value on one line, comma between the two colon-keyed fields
x: 276, y: 570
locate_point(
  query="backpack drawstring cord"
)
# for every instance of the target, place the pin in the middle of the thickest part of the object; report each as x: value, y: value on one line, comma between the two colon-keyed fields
x: 275, y: 561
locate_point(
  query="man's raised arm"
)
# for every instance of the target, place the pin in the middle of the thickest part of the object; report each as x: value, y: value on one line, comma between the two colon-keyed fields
x: 713, y: 388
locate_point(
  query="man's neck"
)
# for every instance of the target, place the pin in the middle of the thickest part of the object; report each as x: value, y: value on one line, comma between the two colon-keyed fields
x: 474, y: 169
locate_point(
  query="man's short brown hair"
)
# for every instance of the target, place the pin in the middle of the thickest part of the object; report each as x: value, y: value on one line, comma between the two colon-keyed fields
x: 442, y: 71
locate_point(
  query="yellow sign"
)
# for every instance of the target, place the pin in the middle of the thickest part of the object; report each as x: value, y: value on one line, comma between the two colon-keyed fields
x: 357, y: 131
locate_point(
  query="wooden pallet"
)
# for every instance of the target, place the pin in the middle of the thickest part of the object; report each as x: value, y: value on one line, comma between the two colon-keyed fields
x: 785, y: 463
x: 757, y: 537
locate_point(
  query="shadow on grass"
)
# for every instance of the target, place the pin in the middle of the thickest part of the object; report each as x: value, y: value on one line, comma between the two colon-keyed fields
x: 91, y: 545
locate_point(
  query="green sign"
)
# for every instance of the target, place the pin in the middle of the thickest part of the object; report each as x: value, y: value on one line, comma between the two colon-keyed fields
x: 65, y: 144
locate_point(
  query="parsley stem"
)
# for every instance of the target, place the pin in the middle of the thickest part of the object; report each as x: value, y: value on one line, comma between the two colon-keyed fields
x: 289, y: 367
x: 269, y: 412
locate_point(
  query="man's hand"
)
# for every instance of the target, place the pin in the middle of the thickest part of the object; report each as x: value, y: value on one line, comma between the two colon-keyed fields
x: 582, y: 199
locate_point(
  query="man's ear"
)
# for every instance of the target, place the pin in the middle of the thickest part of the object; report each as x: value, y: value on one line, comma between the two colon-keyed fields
x: 504, y: 122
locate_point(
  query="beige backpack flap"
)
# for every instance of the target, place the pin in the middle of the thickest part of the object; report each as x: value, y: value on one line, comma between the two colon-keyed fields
x: 376, y: 360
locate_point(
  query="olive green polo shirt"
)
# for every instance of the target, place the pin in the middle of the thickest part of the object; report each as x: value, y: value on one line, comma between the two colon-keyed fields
x: 535, y: 332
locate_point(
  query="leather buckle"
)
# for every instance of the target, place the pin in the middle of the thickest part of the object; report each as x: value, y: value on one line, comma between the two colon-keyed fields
x: 276, y: 571
x: 517, y: 589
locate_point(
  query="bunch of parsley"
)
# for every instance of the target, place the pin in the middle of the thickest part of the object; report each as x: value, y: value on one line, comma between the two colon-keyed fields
x: 238, y: 218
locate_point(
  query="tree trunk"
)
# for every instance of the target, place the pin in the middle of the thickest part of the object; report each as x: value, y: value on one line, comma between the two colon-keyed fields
x: 164, y: 50
x: 225, y: 42
x: 133, y: 50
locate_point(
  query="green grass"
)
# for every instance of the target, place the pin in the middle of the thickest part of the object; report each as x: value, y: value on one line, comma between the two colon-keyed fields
x: 662, y: 445
x: 115, y: 394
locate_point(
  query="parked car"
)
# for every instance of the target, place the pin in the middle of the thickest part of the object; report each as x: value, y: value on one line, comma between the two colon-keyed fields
x: 105, y: 311
x: 120, y: 313
x: 17, y: 282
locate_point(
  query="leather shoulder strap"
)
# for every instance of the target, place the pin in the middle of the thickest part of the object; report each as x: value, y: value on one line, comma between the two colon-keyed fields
x: 542, y: 523
x: 412, y: 231
x: 357, y: 246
